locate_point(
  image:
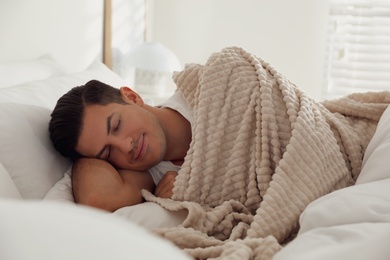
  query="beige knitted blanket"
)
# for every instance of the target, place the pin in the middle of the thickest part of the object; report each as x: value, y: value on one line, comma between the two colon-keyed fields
x: 262, y: 150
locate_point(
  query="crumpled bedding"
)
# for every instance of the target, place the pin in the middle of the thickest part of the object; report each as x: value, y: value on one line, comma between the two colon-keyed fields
x: 262, y: 150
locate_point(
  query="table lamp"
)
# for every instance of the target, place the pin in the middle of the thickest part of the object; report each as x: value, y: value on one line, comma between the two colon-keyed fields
x: 150, y: 66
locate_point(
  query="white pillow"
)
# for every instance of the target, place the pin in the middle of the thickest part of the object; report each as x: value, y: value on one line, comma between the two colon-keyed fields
x: 369, y: 202
x: 27, y: 153
x: 376, y: 164
x: 360, y: 241
x: 7, y: 186
x: 43, y: 230
x: 148, y: 214
x: 16, y: 72
x: 351, y: 223
x: 45, y: 93
x: 62, y: 190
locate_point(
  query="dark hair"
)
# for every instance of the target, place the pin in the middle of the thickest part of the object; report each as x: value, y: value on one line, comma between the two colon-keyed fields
x: 67, y: 117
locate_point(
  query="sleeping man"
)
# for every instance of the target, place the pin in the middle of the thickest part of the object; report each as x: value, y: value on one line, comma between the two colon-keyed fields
x: 251, y: 150
x: 146, y: 144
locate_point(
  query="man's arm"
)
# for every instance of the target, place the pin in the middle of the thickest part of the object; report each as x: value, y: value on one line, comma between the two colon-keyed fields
x: 98, y: 184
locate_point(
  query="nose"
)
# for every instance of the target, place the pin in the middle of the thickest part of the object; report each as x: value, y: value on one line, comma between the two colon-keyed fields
x: 125, y: 145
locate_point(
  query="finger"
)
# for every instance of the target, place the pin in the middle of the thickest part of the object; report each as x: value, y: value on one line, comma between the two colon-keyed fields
x: 167, y: 180
x: 164, y: 191
x: 165, y: 186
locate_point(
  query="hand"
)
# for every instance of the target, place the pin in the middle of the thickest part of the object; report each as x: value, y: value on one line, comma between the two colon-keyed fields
x: 165, y: 186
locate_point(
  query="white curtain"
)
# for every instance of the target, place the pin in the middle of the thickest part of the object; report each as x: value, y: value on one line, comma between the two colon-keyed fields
x: 358, y: 47
x: 128, y: 28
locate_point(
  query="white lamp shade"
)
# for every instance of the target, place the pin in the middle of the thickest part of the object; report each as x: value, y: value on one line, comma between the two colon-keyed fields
x: 152, y: 56
x: 149, y: 67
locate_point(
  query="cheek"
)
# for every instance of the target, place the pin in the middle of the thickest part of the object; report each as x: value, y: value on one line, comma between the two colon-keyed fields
x: 156, y: 150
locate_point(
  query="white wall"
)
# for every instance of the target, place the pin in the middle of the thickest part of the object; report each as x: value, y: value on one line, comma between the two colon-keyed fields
x: 288, y: 34
x: 72, y: 30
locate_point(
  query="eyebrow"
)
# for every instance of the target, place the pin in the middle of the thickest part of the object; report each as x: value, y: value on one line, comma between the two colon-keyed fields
x: 108, y: 125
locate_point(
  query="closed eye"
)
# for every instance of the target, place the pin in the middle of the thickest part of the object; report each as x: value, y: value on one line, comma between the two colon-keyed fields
x: 111, y: 129
x: 114, y: 131
x: 117, y: 126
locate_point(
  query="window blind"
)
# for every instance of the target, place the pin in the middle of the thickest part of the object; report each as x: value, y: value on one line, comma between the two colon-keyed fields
x: 358, y: 47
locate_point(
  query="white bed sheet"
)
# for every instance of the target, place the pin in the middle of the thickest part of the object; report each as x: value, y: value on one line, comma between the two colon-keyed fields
x: 353, y: 223
x: 49, y: 230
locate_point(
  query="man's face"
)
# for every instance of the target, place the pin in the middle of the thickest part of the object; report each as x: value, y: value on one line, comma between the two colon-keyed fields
x: 127, y: 136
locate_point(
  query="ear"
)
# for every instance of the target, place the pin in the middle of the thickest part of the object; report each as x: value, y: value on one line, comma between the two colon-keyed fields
x: 130, y: 95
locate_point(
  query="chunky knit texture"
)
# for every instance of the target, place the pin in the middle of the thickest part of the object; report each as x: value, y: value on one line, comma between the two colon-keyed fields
x: 262, y: 150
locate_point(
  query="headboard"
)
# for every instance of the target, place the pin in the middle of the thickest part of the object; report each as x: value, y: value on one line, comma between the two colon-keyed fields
x: 72, y: 31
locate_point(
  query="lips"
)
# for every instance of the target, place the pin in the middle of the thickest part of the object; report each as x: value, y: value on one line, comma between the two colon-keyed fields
x: 140, y: 148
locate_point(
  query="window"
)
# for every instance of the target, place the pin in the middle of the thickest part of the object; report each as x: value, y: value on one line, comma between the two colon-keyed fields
x: 358, y: 47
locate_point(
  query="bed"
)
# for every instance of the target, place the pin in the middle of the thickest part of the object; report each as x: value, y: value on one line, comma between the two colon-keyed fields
x: 38, y: 216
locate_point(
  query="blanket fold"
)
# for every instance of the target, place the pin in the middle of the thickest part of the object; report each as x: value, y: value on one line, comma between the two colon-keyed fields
x: 261, y: 151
